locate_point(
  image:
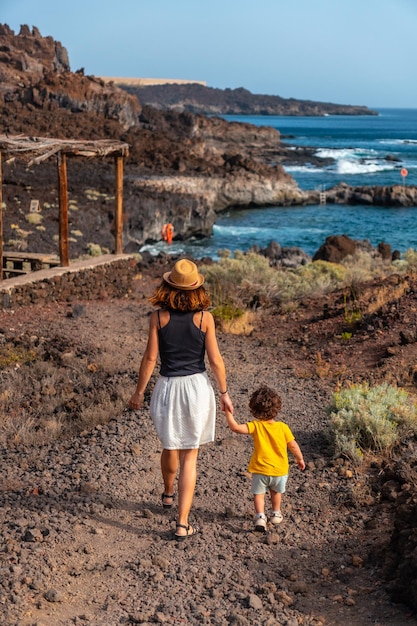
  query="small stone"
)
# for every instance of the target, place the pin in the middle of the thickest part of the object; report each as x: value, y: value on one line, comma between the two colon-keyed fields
x: 52, y: 595
x: 135, y: 449
x: 284, y: 598
x: 255, y: 602
x: 33, y: 535
x: 338, y: 599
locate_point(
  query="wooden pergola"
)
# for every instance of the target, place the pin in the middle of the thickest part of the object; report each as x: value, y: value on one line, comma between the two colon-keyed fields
x: 35, y: 150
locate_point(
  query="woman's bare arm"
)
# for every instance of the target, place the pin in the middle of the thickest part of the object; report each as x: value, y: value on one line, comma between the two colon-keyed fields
x: 216, y: 362
x: 147, y: 365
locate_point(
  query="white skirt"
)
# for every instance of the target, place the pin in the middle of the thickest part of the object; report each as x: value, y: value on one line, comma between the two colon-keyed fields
x: 183, y: 410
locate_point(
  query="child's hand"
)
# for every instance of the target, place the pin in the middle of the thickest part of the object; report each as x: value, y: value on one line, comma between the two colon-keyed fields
x: 301, y: 464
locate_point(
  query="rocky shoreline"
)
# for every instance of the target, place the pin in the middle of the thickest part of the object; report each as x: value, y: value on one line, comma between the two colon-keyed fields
x: 182, y: 167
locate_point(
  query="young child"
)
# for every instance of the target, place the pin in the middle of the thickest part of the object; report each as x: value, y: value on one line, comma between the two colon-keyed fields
x: 269, y: 462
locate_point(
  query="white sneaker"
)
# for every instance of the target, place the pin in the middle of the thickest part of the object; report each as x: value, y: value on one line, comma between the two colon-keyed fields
x: 276, y: 517
x: 260, y: 522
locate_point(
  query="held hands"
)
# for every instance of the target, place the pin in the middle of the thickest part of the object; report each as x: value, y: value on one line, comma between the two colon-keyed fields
x: 136, y: 401
x: 226, y: 403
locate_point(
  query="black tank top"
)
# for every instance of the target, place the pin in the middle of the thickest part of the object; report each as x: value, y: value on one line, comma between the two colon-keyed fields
x: 181, y: 345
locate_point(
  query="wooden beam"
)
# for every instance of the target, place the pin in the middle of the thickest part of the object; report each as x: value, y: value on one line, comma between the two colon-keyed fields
x: 1, y: 219
x: 63, y: 210
x: 118, y: 216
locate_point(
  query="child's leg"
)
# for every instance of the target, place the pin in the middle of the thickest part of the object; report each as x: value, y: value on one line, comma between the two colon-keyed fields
x: 276, y: 499
x: 259, y: 501
x: 258, y: 491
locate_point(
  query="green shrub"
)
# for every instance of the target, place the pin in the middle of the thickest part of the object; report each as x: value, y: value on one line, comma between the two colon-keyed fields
x: 34, y: 218
x: 93, y: 249
x: 249, y: 278
x: 237, y: 280
x: 15, y: 355
x: 410, y: 258
x: 227, y: 312
x: 364, y: 418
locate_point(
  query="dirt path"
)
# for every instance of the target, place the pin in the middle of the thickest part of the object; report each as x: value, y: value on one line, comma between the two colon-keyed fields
x: 86, y: 541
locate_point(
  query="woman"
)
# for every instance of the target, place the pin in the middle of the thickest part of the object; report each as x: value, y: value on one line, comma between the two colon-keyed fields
x: 183, y: 406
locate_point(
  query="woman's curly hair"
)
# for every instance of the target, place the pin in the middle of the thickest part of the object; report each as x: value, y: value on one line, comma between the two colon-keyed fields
x: 167, y: 297
x: 265, y: 403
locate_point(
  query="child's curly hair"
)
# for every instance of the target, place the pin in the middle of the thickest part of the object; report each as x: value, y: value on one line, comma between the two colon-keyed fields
x: 265, y: 403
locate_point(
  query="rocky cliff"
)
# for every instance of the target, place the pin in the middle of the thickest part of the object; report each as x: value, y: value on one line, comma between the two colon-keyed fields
x: 183, y: 168
x: 35, y: 75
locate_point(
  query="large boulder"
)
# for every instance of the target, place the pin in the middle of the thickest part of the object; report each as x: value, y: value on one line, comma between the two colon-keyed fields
x: 335, y: 249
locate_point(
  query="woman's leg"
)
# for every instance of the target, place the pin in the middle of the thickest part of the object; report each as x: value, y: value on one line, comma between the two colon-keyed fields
x: 186, y: 485
x: 169, y: 468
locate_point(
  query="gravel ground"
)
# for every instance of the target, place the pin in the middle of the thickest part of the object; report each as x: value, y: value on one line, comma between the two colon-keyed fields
x: 85, y: 540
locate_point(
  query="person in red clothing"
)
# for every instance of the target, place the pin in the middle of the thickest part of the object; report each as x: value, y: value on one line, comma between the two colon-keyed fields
x: 269, y: 462
x: 167, y: 232
x: 183, y: 407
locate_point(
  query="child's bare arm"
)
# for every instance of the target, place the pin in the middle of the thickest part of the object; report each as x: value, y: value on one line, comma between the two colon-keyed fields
x: 295, y: 449
x: 242, y: 429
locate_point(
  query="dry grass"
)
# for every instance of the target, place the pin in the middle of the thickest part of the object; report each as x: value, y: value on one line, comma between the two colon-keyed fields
x: 242, y: 325
x: 60, y: 393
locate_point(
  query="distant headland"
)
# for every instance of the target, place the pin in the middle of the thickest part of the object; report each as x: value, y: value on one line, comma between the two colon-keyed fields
x: 145, y: 82
x: 195, y: 97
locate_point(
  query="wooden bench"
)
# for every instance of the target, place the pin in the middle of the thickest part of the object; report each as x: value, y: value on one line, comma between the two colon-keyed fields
x: 17, y: 263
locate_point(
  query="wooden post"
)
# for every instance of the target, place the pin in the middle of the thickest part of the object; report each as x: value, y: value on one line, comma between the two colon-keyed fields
x: 118, y: 216
x: 63, y: 210
x: 1, y: 219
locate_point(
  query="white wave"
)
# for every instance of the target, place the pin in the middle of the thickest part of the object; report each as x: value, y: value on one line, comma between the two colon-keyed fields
x: 357, y: 167
x: 161, y: 246
x: 302, y: 168
x: 356, y: 161
x: 397, y: 142
x: 346, y: 153
x: 239, y: 232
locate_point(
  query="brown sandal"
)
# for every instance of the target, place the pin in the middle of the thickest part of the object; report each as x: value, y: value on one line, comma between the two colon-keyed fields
x: 166, y: 496
x: 195, y: 530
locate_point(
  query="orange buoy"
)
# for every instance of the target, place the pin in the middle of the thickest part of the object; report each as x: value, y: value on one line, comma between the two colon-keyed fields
x: 404, y: 172
x: 167, y: 232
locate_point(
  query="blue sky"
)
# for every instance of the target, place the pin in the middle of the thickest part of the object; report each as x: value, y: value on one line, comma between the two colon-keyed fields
x: 343, y: 51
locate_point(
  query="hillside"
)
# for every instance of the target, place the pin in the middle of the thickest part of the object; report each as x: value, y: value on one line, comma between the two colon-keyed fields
x: 196, y: 98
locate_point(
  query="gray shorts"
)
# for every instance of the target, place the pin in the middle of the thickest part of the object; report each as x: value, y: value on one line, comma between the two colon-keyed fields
x: 262, y: 484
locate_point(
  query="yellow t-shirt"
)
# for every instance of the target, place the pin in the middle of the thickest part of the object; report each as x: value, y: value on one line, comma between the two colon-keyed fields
x: 270, y: 439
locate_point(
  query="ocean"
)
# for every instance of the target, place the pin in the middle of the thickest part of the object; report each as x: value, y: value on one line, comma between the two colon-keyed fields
x: 374, y: 150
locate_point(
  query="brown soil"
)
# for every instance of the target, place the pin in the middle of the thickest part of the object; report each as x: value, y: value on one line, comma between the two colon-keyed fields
x: 86, y: 541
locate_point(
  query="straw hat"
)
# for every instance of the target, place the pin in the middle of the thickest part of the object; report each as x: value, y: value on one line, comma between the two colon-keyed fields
x: 184, y: 275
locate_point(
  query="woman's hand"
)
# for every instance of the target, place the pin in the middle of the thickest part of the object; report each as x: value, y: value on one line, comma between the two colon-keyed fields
x: 226, y: 402
x: 136, y: 400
